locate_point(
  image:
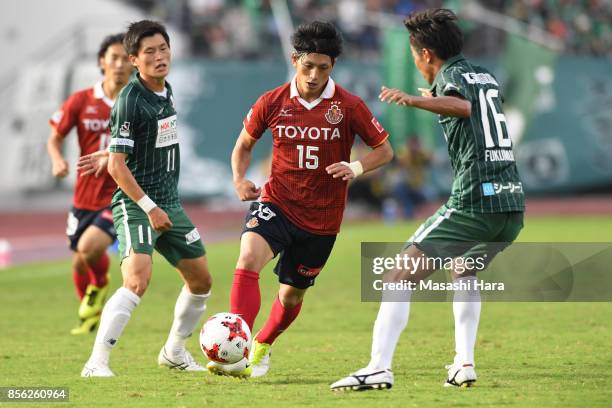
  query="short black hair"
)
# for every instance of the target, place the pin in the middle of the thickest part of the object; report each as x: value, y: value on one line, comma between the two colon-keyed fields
x: 437, y: 30
x: 317, y: 37
x: 140, y: 29
x: 107, y: 42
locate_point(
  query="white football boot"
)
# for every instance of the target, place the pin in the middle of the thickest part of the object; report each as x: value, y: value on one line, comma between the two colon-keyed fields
x: 460, y: 375
x: 183, y: 361
x: 365, y: 379
x: 260, y: 358
x: 96, y: 369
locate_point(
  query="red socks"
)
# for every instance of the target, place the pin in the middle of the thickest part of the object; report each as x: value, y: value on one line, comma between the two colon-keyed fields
x: 245, y: 298
x: 96, y: 275
x: 279, y: 320
x: 81, y: 280
x: 99, y: 270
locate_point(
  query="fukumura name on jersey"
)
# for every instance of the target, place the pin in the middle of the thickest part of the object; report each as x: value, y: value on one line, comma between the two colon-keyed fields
x: 428, y: 285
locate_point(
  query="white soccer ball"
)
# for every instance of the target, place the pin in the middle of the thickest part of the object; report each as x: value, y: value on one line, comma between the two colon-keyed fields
x: 225, y: 338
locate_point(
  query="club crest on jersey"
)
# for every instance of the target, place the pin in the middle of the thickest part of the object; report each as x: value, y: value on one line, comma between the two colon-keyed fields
x: 253, y: 222
x: 334, y: 114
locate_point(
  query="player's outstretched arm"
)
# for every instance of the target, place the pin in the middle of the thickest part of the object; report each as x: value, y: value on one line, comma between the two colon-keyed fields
x: 54, y: 148
x: 378, y: 156
x: 241, y: 159
x: 442, y: 105
x: 95, y: 163
x: 127, y: 183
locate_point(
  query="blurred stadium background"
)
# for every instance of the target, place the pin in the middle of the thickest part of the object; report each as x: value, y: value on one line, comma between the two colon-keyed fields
x: 552, y: 56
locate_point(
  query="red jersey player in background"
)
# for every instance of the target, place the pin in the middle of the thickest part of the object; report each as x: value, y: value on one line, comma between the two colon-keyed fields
x: 314, y: 122
x: 90, y: 227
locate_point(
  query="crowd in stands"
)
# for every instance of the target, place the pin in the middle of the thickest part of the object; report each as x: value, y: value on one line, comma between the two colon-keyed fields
x: 247, y: 29
x: 584, y: 26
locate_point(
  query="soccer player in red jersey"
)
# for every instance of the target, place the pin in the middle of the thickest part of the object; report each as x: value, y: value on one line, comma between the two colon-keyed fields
x: 90, y: 227
x: 314, y: 123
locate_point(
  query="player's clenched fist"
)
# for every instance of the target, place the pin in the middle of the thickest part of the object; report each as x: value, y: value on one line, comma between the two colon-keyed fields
x: 60, y: 168
x: 159, y: 220
x: 341, y: 170
x: 246, y: 190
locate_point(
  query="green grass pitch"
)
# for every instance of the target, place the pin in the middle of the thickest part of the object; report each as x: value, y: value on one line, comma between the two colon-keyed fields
x: 528, y: 354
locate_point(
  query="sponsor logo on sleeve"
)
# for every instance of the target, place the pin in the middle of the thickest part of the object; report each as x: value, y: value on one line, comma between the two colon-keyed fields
x: 167, y: 133
x: 248, y: 118
x: 192, y: 236
x: 57, y: 116
x: 124, y: 130
x: 377, y: 125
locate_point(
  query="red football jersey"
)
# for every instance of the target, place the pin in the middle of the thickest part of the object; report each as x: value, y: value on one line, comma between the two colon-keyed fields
x: 89, y: 110
x: 308, y: 137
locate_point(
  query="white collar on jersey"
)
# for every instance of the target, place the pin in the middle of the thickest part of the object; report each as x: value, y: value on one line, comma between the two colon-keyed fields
x: 99, y: 94
x: 328, y: 93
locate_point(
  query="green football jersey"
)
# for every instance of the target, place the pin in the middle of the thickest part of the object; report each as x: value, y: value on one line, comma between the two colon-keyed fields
x: 144, y: 125
x: 486, y: 178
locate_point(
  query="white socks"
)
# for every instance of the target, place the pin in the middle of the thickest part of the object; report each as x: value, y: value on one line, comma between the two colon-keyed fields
x: 393, y: 317
x: 116, y: 314
x: 391, y: 320
x: 466, y: 309
x: 187, y: 313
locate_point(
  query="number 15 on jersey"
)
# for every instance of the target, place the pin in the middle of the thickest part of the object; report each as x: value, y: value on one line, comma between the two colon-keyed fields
x: 307, y: 157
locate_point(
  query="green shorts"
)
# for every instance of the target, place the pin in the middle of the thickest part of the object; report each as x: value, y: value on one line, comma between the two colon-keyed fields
x: 452, y: 233
x: 135, y: 233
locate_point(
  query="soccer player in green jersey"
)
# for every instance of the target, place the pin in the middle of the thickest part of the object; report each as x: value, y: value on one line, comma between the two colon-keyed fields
x: 144, y: 160
x: 485, y: 211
